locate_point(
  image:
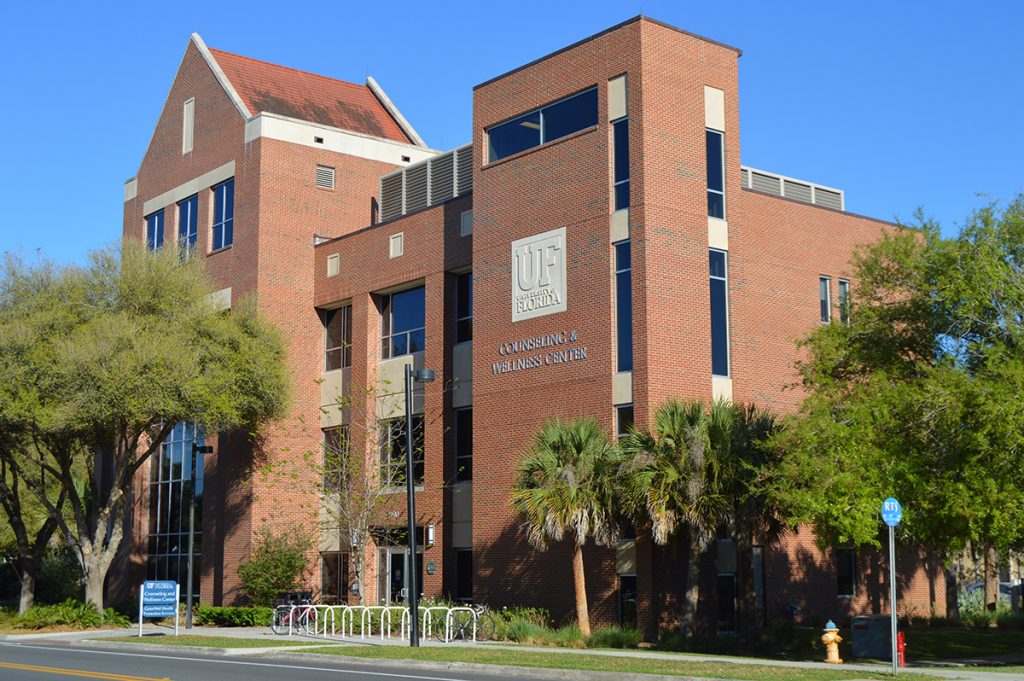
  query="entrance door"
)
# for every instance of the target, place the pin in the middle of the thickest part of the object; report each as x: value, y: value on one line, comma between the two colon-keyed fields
x: 393, y: 575
x: 726, y: 603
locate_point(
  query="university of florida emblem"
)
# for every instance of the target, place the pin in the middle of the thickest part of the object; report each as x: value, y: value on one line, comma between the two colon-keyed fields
x: 538, y: 275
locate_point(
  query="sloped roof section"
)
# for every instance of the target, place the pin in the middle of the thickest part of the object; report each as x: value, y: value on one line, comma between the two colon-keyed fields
x: 308, y: 97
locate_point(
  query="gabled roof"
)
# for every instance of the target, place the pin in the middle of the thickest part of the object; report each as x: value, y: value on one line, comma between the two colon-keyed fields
x: 265, y: 87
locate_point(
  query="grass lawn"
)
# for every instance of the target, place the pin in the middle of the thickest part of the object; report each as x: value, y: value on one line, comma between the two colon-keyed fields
x: 212, y: 641
x: 721, y: 670
x: 950, y: 644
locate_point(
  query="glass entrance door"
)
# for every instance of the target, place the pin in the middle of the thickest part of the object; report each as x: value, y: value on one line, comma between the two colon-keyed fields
x: 393, y: 575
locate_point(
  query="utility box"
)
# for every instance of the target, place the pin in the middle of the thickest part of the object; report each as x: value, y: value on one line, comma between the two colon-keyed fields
x: 872, y: 636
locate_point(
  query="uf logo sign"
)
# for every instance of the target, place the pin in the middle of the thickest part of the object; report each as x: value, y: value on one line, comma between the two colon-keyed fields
x: 538, y: 275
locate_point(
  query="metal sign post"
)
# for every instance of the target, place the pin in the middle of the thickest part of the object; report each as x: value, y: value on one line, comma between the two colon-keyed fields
x: 892, y: 514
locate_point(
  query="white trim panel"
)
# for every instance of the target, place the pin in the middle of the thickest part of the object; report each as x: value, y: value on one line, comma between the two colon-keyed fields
x: 183, y: 191
x: 721, y: 388
x: 718, y: 234
x: 275, y: 127
x: 714, y: 108
x: 131, y: 189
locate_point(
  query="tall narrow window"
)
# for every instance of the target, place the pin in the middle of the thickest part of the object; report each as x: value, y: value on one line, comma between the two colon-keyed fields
x: 623, y: 307
x: 716, y: 174
x: 334, y: 577
x: 337, y: 338
x: 463, y: 444
x: 188, y: 111
x: 464, y: 574
x: 825, y: 298
x: 464, y: 308
x: 623, y: 421
x: 223, y: 214
x: 392, y: 451
x: 188, y: 223
x: 155, y: 230
x: 846, y: 572
x: 844, y: 301
x: 620, y: 136
x: 336, y: 463
x: 403, y: 322
x: 719, y: 313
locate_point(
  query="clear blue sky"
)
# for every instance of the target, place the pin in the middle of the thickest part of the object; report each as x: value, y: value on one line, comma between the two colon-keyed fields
x: 901, y: 104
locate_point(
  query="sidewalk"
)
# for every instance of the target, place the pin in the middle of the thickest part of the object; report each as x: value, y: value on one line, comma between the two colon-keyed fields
x: 152, y: 634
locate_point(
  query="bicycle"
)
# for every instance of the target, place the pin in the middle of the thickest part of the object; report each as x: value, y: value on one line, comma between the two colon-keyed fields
x: 462, y: 621
x: 293, y: 618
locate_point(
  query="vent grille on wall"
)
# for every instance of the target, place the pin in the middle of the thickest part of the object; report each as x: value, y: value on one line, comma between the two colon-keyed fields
x: 325, y: 177
x: 426, y: 183
x: 798, y: 190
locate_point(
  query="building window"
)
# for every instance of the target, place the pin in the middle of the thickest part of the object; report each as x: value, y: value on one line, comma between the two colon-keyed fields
x: 464, y: 308
x: 223, y: 214
x: 337, y: 338
x: 846, y: 572
x: 627, y: 601
x: 403, y: 322
x: 392, y: 451
x: 464, y: 575
x: 623, y: 307
x: 333, y: 578
x: 551, y: 122
x: 169, y: 479
x: 188, y: 223
x: 716, y: 174
x: 623, y: 421
x: 844, y: 301
x: 188, y: 122
x: 463, y: 444
x: 825, y: 297
x: 719, y: 314
x: 336, y: 448
x: 620, y: 139
x: 155, y: 230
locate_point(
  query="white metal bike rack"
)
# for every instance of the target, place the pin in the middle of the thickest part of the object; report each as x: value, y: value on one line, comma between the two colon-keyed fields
x: 366, y: 621
x: 448, y: 622
x: 428, y: 616
x: 350, y: 613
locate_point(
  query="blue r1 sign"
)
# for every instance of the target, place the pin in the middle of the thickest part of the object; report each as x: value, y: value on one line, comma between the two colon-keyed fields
x: 892, y: 512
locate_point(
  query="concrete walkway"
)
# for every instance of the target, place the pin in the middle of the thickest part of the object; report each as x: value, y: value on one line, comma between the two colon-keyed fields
x: 152, y: 635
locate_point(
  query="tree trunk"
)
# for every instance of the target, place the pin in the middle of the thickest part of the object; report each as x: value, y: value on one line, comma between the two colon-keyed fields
x: 991, y: 578
x: 95, y: 577
x: 953, y: 592
x: 688, y: 619
x: 28, y: 590
x: 579, y: 579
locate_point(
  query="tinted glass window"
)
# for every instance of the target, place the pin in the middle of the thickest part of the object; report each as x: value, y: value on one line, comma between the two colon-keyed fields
x: 464, y: 574
x: 402, y: 322
x: 844, y: 301
x: 464, y: 307
x: 716, y: 175
x: 517, y: 135
x: 464, y: 444
x: 621, y: 161
x: 338, y: 338
x: 223, y: 214
x: 824, y: 288
x: 188, y: 222
x: 623, y: 420
x: 570, y: 115
x: 155, y: 230
x: 392, y: 456
x: 719, y: 315
x: 846, y: 572
x: 623, y: 307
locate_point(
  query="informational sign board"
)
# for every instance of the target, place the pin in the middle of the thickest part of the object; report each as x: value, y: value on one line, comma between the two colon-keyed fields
x: 158, y: 599
x: 892, y: 512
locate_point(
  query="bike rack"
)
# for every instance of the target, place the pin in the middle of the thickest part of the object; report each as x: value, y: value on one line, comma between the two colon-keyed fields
x: 350, y: 612
x: 328, y: 612
x: 448, y: 622
x: 428, y: 616
x: 366, y: 622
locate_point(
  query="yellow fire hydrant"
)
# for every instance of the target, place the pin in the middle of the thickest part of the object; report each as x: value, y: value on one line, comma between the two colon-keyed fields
x: 831, y: 639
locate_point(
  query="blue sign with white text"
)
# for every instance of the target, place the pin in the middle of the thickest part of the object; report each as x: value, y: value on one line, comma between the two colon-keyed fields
x: 892, y: 512
x: 159, y: 599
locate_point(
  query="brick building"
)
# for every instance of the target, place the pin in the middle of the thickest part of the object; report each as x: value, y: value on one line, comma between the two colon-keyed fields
x: 596, y: 249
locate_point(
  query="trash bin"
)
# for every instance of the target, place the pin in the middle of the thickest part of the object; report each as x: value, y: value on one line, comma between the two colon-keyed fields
x: 872, y: 636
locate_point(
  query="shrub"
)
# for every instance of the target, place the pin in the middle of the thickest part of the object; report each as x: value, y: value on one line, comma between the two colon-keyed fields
x: 276, y: 565
x: 210, y: 615
x: 70, y: 613
x: 614, y: 637
x: 1010, y: 621
x: 60, y: 577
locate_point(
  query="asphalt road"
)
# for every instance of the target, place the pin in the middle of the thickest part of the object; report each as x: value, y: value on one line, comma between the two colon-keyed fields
x: 41, y: 662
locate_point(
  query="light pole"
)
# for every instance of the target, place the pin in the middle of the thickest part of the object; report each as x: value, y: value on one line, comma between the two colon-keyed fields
x: 420, y: 376
x: 196, y: 449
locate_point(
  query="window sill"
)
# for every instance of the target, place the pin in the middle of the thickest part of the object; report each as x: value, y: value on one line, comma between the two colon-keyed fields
x: 400, y: 490
x: 546, y: 145
x: 220, y: 250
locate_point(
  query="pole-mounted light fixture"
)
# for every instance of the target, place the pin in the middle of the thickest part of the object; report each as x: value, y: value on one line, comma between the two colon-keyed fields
x: 196, y: 449
x: 420, y: 376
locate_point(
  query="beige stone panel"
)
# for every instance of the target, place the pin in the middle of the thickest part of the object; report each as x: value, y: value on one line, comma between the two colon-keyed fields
x: 462, y: 375
x: 718, y: 234
x: 714, y: 108
x: 721, y: 388
x: 622, y: 387
x: 620, y: 225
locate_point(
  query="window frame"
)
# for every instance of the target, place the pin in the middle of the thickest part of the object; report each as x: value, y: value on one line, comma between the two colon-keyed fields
x: 844, y: 301
x: 155, y: 223
x: 621, y: 428
x: 463, y: 473
x: 728, y: 339
x: 852, y: 553
x: 345, y: 349
x: 707, y: 154
x: 616, y: 181
x: 460, y: 318
x: 628, y: 271
x: 226, y: 223
x: 392, y: 475
x: 188, y: 224
x: 541, y: 130
x: 338, y: 437
x: 825, y: 298
x: 387, y: 325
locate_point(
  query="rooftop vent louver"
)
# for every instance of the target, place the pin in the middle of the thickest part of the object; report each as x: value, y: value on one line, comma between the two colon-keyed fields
x: 325, y: 177
x: 798, y: 190
x: 426, y: 183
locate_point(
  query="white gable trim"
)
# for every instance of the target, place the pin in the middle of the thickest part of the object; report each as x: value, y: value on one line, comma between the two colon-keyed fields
x: 285, y: 129
x: 405, y: 125
x: 229, y: 89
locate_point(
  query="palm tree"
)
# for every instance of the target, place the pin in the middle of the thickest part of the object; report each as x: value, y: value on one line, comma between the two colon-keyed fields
x: 567, y: 488
x: 675, y: 475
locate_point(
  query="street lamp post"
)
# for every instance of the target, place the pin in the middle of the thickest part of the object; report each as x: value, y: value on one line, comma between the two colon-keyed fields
x: 196, y: 449
x: 421, y: 376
